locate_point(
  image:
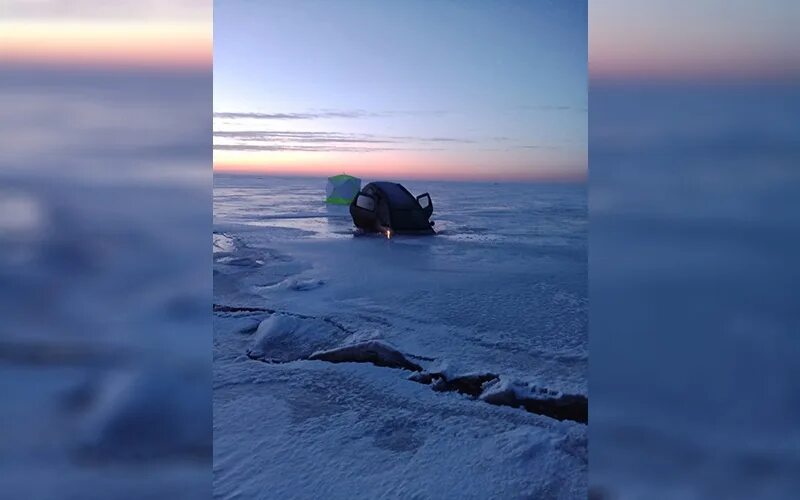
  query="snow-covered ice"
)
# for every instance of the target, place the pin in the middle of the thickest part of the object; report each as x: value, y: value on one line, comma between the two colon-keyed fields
x: 372, y: 351
x: 223, y: 244
x: 500, y: 290
x: 104, y: 347
x: 282, y: 337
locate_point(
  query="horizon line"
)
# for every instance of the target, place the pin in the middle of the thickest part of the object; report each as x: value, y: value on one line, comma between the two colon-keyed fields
x: 561, y: 179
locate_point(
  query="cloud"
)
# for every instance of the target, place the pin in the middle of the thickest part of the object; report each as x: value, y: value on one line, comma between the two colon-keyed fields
x: 320, y: 114
x: 550, y: 107
x: 329, y: 136
x: 536, y: 146
x: 312, y: 137
x: 150, y: 10
x: 282, y: 140
x: 299, y: 116
x: 438, y: 139
x: 313, y: 148
x: 251, y: 139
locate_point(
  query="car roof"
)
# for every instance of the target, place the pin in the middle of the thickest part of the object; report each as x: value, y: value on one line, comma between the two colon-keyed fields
x: 398, y: 196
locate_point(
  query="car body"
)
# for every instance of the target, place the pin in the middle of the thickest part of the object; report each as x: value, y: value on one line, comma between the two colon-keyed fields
x: 390, y: 208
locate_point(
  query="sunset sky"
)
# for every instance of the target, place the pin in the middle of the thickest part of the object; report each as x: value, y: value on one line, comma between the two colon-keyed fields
x: 106, y: 92
x: 710, y: 40
x: 407, y: 89
x: 96, y: 34
x: 411, y: 89
x: 110, y: 44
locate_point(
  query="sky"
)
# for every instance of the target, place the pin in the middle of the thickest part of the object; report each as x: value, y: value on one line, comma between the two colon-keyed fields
x: 106, y: 92
x: 413, y: 89
x: 712, y: 40
x: 91, y: 34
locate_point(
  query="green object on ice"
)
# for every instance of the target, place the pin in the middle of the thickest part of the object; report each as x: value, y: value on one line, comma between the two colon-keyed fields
x: 336, y: 200
x: 342, y: 189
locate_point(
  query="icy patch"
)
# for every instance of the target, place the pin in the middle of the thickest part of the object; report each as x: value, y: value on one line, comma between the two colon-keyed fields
x: 240, y: 261
x: 374, y: 351
x: 283, y: 337
x: 465, y: 233
x: 20, y: 213
x: 305, y: 285
x: 536, y: 399
x: 294, y: 284
x: 227, y: 251
x: 474, y: 238
x: 365, y: 335
x: 223, y: 243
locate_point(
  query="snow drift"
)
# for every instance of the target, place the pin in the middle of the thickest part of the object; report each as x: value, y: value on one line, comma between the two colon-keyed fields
x: 536, y: 399
x: 283, y: 337
x: 373, y: 351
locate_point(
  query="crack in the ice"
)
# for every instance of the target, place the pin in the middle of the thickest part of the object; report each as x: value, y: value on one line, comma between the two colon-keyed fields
x: 471, y: 385
x: 493, y: 389
x: 487, y: 387
x: 336, y: 324
x: 423, y: 358
x: 221, y: 308
x: 235, y: 309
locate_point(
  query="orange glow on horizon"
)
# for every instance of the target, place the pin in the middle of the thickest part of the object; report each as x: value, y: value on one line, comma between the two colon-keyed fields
x: 107, y: 44
x: 677, y: 67
x: 656, y: 52
x: 397, y: 165
x: 398, y: 171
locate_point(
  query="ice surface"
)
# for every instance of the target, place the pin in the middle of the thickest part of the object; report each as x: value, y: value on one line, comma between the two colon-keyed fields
x: 536, y: 399
x: 223, y: 243
x: 500, y: 290
x: 283, y: 337
x: 149, y: 413
x: 695, y: 210
x: 103, y: 229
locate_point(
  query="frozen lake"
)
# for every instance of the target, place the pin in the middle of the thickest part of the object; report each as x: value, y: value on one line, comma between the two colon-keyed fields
x: 501, y: 289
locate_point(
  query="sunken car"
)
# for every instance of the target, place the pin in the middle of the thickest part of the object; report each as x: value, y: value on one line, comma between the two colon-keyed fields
x: 389, y: 208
